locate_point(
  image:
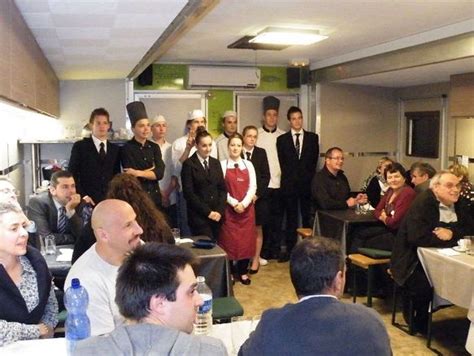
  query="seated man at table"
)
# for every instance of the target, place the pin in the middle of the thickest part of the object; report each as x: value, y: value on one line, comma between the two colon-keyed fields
x: 421, y: 173
x: 117, y: 233
x: 58, y: 211
x: 156, y: 292
x: 319, y: 324
x: 436, y: 218
x: 330, y: 187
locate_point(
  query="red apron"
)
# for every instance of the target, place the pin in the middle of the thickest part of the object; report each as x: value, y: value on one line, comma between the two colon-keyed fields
x: 238, y: 233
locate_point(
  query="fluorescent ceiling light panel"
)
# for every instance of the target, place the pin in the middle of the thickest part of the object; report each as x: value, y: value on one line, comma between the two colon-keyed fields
x: 287, y: 36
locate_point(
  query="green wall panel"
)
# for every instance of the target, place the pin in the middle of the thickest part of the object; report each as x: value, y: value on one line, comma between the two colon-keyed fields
x: 217, y: 103
x: 174, y: 77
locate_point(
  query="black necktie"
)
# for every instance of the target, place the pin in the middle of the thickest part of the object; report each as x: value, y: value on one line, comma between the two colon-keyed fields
x: 297, y: 144
x: 62, y: 221
x: 102, y: 151
x: 248, y: 155
x: 206, y: 166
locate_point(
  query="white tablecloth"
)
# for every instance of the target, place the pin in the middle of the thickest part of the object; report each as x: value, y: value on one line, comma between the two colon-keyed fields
x: 57, y: 347
x: 452, y: 278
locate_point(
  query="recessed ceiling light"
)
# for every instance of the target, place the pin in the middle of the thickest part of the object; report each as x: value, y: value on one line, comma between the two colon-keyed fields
x: 287, y: 36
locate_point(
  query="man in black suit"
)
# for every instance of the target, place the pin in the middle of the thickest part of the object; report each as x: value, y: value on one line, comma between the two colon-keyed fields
x: 298, y: 152
x: 94, y: 161
x: 58, y: 211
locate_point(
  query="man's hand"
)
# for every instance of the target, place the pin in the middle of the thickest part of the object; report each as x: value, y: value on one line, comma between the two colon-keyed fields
x: 361, y: 198
x: 214, y: 215
x: 190, y: 140
x: 88, y: 200
x: 383, y: 216
x: 73, y: 202
x: 443, y: 233
x: 351, y: 202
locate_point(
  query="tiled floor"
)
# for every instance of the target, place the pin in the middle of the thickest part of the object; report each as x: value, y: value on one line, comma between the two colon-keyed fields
x: 271, y: 288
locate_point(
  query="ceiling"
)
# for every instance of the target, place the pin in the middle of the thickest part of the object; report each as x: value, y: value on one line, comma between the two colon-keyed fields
x: 98, y: 39
x: 439, y: 72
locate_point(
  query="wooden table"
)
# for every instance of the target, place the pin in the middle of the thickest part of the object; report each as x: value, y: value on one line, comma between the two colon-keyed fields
x: 336, y: 223
x: 213, y: 265
x: 452, y: 279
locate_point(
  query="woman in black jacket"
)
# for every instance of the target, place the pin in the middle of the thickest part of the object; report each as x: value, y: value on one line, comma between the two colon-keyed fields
x: 204, y: 188
x: 28, y: 308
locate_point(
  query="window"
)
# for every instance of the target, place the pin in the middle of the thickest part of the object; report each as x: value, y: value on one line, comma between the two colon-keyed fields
x: 423, y: 134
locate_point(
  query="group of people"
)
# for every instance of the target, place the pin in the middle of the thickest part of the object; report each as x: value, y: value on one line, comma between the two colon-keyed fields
x: 435, y: 210
x: 235, y: 190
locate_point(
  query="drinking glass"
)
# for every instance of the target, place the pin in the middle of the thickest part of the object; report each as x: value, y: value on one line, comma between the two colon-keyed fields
x: 50, y: 245
x: 176, y: 234
x: 470, y: 245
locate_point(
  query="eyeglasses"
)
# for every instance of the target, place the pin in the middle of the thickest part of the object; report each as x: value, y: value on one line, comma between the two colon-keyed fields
x: 337, y: 158
x: 451, y: 185
x: 9, y: 191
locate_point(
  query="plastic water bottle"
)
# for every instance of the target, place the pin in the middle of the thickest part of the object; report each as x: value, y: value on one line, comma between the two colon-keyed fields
x: 78, y: 325
x: 203, y: 322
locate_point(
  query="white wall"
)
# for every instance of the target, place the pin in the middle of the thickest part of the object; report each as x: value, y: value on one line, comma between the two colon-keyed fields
x: 79, y: 97
x: 360, y: 120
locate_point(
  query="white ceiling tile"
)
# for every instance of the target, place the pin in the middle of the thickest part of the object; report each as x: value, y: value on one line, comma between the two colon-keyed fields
x: 83, y: 51
x: 156, y: 20
x: 38, y: 20
x: 26, y: 6
x: 83, y: 20
x: 146, y: 7
x: 82, y: 7
x: 79, y: 42
x: 45, y: 43
x: 83, y: 33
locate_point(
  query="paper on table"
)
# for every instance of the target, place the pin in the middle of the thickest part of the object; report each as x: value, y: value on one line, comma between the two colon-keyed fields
x: 448, y: 252
x: 183, y: 240
x: 65, y: 255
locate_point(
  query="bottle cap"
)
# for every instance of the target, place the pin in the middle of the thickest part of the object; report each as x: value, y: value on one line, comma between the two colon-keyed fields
x: 75, y: 283
x: 200, y: 279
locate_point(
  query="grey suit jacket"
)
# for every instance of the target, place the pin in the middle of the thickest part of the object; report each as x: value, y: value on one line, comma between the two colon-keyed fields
x: 43, y: 212
x: 148, y: 339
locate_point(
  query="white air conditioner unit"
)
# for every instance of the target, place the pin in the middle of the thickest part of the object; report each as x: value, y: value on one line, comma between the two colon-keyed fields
x: 223, y: 77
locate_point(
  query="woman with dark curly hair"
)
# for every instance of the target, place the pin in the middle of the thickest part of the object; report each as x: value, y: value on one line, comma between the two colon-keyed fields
x: 126, y: 187
x: 152, y: 221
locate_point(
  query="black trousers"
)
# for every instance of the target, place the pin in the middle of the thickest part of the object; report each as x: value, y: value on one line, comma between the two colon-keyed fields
x: 240, y: 267
x: 419, y: 289
x: 293, y: 207
x: 272, y: 233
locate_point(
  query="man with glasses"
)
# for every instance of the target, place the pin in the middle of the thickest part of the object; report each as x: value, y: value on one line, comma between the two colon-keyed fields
x: 330, y: 187
x: 437, y: 218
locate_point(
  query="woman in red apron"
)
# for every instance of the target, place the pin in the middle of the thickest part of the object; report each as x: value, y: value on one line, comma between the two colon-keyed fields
x: 238, y: 233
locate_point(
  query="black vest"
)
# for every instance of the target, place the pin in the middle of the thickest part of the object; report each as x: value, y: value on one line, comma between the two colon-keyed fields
x: 13, y: 306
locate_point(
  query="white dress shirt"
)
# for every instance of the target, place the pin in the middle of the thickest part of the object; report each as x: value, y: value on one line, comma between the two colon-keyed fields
x: 243, y: 165
x: 267, y: 140
x: 97, y: 143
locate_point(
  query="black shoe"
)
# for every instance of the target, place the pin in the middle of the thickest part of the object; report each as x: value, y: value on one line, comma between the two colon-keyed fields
x: 245, y: 282
x: 254, y: 271
x: 284, y: 257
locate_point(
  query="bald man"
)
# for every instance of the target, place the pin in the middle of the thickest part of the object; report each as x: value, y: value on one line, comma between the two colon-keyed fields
x: 117, y: 232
